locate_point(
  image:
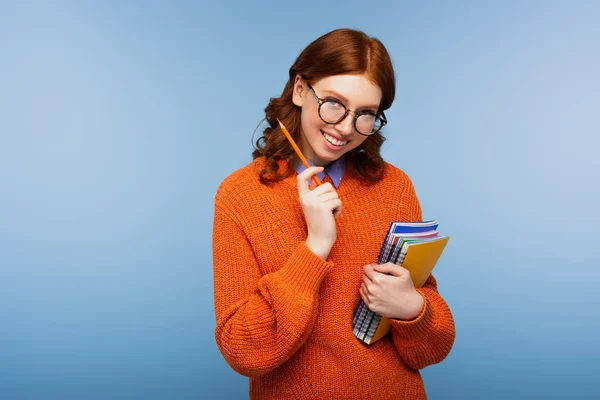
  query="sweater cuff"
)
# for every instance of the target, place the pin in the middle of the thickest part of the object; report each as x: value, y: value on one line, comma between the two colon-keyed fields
x: 420, y: 326
x: 305, y: 269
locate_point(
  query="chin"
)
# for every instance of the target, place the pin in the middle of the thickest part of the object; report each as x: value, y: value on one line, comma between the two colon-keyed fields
x: 329, y: 158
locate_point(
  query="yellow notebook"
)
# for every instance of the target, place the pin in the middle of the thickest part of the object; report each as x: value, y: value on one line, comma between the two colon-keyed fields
x: 421, y: 257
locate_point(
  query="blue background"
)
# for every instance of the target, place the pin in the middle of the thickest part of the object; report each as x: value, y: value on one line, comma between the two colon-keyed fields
x: 119, y: 120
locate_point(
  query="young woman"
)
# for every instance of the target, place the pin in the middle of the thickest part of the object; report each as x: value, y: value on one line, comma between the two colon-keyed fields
x: 292, y: 259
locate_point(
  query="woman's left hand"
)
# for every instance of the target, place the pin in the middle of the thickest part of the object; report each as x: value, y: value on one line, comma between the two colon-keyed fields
x: 388, y: 290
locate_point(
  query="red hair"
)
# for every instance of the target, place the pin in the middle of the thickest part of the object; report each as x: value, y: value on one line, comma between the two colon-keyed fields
x: 340, y: 52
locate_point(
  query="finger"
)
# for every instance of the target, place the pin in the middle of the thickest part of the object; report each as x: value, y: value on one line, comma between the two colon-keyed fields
x: 389, y: 268
x: 304, y: 176
x: 328, y: 196
x: 368, y: 287
x: 395, y: 270
x: 336, y: 207
x: 364, y: 294
x: 370, y: 272
x: 324, y: 188
x: 337, y: 211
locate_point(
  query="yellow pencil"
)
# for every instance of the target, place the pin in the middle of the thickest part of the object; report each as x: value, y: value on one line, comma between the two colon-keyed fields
x: 297, y: 150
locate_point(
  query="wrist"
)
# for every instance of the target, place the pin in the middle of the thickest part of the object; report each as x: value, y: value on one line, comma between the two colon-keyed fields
x: 320, y: 247
x: 414, y: 306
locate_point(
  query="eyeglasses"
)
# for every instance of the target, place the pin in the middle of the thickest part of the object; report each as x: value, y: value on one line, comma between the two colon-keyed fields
x: 331, y: 111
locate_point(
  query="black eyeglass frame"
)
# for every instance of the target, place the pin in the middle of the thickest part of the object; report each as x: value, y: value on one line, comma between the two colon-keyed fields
x: 347, y: 111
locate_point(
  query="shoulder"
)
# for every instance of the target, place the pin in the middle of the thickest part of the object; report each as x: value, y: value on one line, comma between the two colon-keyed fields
x: 398, y: 182
x: 245, y: 175
x: 238, y: 183
x: 242, y: 191
x: 394, y: 180
x: 393, y: 173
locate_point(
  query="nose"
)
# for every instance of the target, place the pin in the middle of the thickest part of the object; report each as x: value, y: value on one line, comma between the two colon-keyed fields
x: 346, y: 126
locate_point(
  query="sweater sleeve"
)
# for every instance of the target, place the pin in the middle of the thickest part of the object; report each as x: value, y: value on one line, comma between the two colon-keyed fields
x: 429, y: 337
x: 261, y: 320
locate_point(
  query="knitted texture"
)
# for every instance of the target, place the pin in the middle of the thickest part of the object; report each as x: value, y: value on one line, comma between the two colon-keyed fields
x: 284, y: 315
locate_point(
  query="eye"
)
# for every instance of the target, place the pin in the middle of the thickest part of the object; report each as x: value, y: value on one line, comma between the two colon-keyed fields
x: 334, y: 104
x: 367, y: 112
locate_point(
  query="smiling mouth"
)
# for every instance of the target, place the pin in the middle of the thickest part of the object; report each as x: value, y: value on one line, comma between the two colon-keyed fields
x: 333, y: 140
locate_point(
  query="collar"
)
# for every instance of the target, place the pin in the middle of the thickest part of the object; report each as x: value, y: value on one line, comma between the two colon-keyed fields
x: 335, y: 170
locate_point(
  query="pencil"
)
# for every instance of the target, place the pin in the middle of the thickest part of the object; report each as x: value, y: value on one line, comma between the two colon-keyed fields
x: 297, y: 150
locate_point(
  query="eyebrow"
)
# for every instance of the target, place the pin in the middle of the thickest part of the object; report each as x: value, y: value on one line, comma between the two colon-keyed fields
x: 336, y: 94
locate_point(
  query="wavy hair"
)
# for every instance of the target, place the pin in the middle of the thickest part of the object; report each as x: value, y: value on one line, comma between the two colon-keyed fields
x: 339, y: 52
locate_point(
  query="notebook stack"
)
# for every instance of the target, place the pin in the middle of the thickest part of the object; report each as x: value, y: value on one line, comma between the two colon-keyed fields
x: 416, y: 246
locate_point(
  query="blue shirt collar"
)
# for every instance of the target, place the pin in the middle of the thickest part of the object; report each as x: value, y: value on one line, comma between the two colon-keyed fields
x: 335, y: 170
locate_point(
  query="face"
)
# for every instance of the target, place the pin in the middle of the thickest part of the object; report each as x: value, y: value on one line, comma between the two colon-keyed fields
x: 323, y: 143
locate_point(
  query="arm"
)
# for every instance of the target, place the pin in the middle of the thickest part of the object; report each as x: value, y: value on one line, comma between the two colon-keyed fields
x: 261, y: 320
x: 428, y: 338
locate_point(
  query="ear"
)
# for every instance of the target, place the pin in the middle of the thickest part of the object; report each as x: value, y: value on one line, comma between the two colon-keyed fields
x: 298, y: 91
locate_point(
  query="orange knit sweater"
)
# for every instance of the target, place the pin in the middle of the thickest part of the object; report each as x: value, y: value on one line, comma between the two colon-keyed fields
x: 284, y: 316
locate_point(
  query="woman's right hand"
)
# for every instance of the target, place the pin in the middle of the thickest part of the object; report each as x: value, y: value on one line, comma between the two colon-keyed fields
x: 321, y: 206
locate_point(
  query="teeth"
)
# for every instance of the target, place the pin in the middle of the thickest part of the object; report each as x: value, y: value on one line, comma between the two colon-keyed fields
x: 333, y: 140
